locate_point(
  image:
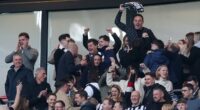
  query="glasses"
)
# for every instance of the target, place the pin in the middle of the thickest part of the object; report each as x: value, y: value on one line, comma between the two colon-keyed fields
x: 184, y: 90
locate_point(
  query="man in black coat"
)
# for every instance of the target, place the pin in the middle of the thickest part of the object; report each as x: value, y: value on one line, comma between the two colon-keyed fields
x: 134, y: 29
x: 16, y: 74
x: 150, y: 85
x: 66, y: 66
x: 39, y: 90
x: 63, y: 39
x: 158, y: 99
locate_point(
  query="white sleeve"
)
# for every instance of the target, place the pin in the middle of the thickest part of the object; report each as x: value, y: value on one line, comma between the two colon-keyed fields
x: 89, y: 91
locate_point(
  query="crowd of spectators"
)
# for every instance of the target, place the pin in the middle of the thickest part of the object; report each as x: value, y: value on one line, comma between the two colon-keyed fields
x: 138, y: 73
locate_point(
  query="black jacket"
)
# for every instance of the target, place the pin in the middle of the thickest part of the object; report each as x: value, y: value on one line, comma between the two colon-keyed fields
x: 194, y: 61
x: 88, y: 106
x: 129, y: 28
x: 39, y: 103
x: 66, y: 66
x: 23, y: 75
x: 131, y: 58
x: 155, y: 105
x: 148, y: 95
x: 116, y: 47
x: 57, y: 55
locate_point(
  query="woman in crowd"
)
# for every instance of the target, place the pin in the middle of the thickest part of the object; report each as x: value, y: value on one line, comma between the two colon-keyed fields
x: 162, y: 78
x: 127, y: 84
x: 116, y: 93
x: 194, y: 58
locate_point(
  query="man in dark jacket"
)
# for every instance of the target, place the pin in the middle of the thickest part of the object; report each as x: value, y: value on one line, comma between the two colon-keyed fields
x: 81, y: 99
x: 39, y: 90
x: 134, y: 29
x: 66, y: 66
x: 158, y: 99
x: 150, y: 85
x: 16, y: 74
x: 103, y: 48
x: 63, y: 39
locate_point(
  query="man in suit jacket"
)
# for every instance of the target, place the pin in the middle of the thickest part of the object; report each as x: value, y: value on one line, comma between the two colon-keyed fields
x: 66, y: 66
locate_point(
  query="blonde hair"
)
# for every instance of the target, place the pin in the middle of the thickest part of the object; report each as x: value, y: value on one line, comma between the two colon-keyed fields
x: 119, y: 97
x: 167, y: 107
x: 158, y: 71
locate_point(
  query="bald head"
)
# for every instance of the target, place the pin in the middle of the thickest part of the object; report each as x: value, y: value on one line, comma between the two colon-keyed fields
x: 73, y: 48
x: 135, y: 97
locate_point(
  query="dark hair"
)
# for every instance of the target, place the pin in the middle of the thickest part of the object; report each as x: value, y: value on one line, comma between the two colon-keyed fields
x: 160, y: 88
x: 150, y: 74
x: 63, y: 36
x: 190, y: 34
x: 105, y: 37
x: 51, y: 94
x: 92, y: 75
x: 182, y: 101
x: 134, y: 76
x: 159, y: 43
x: 139, y: 16
x: 61, y: 83
x: 189, y: 86
x: 24, y: 34
x: 192, y: 78
x: 61, y: 102
x: 94, y: 41
x: 110, y: 101
x: 82, y: 93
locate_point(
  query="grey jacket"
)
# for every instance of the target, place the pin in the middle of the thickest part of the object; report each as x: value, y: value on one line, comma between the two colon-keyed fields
x: 193, y: 104
x: 29, y: 56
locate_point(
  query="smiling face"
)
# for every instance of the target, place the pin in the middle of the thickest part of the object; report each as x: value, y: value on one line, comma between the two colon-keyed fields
x: 162, y: 72
x: 59, y: 106
x: 138, y: 22
x: 181, y: 106
x: 97, y: 60
x: 51, y: 101
x: 149, y: 80
x: 17, y: 61
x: 117, y: 106
x: 103, y: 43
x: 115, y: 93
x: 135, y: 97
x: 41, y: 75
x: 92, y: 48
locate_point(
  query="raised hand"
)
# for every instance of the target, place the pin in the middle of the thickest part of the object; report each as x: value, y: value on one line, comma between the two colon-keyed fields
x: 86, y: 30
x: 109, y: 30
x: 121, y: 8
x: 18, y: 48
